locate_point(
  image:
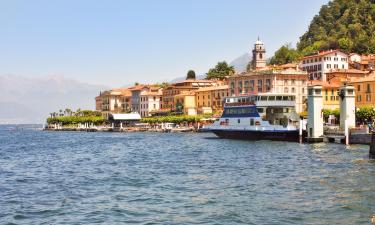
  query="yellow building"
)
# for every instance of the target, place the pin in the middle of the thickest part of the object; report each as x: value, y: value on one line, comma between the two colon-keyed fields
x: 330, y: 93
x: 210, y: 99
x: 185, y: 101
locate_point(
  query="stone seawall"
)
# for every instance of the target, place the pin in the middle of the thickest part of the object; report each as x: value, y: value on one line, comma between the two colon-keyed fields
x: 360, y: 139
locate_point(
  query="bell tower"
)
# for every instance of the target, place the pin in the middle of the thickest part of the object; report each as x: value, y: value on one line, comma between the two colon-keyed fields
x: 259, y: 55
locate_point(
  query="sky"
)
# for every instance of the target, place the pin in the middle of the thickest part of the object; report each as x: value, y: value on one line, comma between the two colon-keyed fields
x: 119, y: 42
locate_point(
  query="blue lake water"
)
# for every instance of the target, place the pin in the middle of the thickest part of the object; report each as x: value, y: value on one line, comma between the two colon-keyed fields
x: 152, y: 178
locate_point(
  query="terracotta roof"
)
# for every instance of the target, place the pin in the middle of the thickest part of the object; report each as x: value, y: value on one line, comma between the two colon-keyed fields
x: 322, y: 53
x: 364, y: 79
x: 195, y: 81
x: 347, y: 71
x: 213, y: 88
x: 329, y: 84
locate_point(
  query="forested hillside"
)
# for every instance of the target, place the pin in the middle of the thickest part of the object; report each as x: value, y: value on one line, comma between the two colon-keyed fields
x: 345, y: 24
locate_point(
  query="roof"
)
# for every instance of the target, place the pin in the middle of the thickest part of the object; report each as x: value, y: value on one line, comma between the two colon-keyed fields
x: 327, y: 84
x: 323, y: 53
x: 364, y: 79
x: 347, y: 71
x: 126, y: 116
x: 213, y: 88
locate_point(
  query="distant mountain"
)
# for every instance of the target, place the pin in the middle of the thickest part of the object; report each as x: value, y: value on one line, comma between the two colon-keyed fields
x: 30, y: 100
x: 241, y: 62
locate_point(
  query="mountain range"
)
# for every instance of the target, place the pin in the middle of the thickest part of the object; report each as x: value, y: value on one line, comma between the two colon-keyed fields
x: 30, y: 100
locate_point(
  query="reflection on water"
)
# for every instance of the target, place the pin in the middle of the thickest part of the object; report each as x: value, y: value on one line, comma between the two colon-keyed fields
x: 140, y: 178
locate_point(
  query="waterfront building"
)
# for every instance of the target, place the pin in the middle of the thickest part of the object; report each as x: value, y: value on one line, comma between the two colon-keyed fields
x: 136, y: 96
x: 259, y: 56
x: 331, y: 99
x: 168, y: 101
x: 362, y: 62
x: 364, y: 88
x: 185, y: 103
x: 319, y: 64
x: 210, y: 99
x: 114, y: 101
x: 288, y: 81
x: 150, y: 101
x: 346, y: 75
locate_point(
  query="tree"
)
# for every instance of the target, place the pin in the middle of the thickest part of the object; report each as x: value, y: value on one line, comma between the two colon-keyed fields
x: 190, y: 75
x: 285, y: 54
x: 345, y: 24
x: 365, y: 114
x: 221, y: 70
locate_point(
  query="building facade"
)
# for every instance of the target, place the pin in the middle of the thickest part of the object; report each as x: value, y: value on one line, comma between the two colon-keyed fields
x: 114, y: 101
x: 364, y: 89
x: 319, y: 64
x: 168, y: 102
x: 150, y: 101
x: 285, y: 81
x: 211, y: 99
x: 185, y: 102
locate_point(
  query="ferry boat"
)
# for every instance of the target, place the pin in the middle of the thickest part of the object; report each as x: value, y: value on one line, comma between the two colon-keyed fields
x: 266, y: 116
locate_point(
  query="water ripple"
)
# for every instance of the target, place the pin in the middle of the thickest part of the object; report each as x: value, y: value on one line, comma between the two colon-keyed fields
x: 149, y: 178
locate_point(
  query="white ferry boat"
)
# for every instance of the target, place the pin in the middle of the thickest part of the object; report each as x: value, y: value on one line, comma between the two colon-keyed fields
x: 266, y: 116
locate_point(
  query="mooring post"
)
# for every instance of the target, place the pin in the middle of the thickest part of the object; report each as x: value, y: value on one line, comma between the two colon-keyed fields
x: 300, y: 131
x: 372, y: 146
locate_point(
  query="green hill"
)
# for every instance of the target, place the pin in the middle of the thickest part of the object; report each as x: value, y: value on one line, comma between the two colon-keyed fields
x: 345, y: 24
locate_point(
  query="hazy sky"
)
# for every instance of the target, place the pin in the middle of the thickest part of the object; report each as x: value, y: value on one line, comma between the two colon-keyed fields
x: 119, y: 42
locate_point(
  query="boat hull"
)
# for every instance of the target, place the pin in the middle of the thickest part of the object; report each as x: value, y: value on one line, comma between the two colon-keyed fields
x: 292, y: 136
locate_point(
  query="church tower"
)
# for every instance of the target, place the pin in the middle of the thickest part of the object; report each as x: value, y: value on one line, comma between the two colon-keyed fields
x: 259, y: 55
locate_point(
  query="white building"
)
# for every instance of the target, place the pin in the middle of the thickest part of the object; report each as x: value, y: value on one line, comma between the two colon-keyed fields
x: 150, y: 100
x: 319, y: 64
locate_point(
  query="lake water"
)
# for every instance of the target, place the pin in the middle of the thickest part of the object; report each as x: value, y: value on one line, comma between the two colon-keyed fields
x: 152, y: 178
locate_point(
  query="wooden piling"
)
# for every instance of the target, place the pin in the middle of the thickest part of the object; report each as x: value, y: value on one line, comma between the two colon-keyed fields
x: 372, y: 146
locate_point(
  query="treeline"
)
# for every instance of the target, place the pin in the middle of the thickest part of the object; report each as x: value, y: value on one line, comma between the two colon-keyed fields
x: 69, y: 117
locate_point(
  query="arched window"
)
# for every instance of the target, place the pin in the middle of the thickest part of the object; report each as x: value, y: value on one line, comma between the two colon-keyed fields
x: 286, y: 90
x: 260, y: 56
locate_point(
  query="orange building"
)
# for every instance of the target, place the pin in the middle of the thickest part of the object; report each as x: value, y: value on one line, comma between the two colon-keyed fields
x: 365, y: 91
x: 172, y: 90
x: 346, y: 75
x: 210, y: 99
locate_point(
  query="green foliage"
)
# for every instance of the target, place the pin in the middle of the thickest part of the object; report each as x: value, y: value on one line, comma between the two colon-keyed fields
x: 221, y: 70
x: 285, y: 54
x: 328, y: 112
x: 73, y: 118
x: 190, y: 75
x: 171, y: 119
x: 345, y: 24
x: 365, y: 114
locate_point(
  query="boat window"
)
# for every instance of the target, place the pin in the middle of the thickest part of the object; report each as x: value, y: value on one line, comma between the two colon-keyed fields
x: 238, y: 121
x: 263, y: 98
x: 271, y: 98
x: 251, y: 122
x: 260, y: 110
x: 279, y: 98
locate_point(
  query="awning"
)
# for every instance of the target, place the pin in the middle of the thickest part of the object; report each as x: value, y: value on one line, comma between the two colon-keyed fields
x: 125, y: 117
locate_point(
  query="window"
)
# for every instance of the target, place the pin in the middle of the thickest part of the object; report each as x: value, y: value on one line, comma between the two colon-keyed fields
x: 368, y: 98
x: 359, y: 88
x: 285, y: 82
x: 359, y: 98
x: 238, y: 121
x: 328, y: 66
x: 251, y: 122
x: 368, y: 88
x: 336, y: 66
x: 286, y: 90
x: 293, y: 81
x: 293, y: 90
